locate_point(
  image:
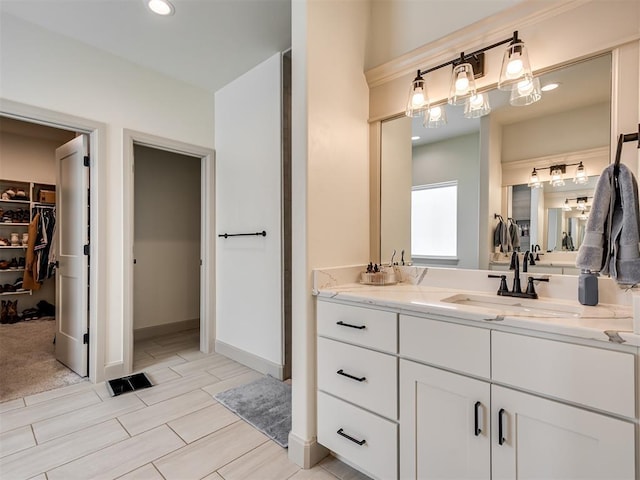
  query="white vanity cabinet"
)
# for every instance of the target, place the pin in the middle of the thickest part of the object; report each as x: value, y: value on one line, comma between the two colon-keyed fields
x: 475, y: 401
x: 357, y: 386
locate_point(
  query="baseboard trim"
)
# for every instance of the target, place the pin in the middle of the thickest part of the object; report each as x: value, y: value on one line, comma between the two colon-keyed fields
x: 165, y: 329
x: 250, y: 360
x: 305, y: 454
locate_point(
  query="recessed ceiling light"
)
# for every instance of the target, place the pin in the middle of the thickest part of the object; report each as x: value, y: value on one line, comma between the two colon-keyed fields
x: 415, y: 138
x: 550, y: 86
x: 161, y: 7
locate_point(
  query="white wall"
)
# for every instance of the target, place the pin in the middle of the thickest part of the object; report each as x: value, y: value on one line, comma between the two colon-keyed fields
x: 248, y: 199
x: 455, y: 159
x: 166, y: 238
x: 330, y: 174
x: 50, y: 71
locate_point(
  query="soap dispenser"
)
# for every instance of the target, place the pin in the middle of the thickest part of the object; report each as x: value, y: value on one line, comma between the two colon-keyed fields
x: 588, y: 288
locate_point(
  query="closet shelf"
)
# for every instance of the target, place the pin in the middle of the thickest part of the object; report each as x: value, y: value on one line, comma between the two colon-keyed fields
x: 6, y: 224
x: 12, y: 270
x: 15, y: 248
x: 21, y: 202
x: 21, y: 292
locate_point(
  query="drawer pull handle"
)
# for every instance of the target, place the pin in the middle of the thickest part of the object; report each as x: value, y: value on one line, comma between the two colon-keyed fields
x: 476, y: 427
x: 341, y: 372
x: 501, y: 438
x: 359, y: 327
x: 349, y: 437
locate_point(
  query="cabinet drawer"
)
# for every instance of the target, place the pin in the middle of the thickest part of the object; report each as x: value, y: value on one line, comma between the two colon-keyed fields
x: 590, y: 376
x: 375, y: 384
x: 449, y: 345
x: 362, y: 326
x: 377, y: 455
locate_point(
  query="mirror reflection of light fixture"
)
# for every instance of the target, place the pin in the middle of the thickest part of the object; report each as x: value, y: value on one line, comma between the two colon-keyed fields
x: 477, y: 106
x: 463, y: 83
x: 435, y: 116
x: 418, y: 101
x: 566, y: 207
x: 515, y: 65
x: 534, y: 180
x: 581, y: 175
x: 525, y: 92
x: 581, y: 203
x: 557, y: 175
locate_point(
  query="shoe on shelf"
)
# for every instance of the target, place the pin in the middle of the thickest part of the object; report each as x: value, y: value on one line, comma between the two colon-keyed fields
x: 21, y: 262
x: 4, y: 265
x: 21, y: 195
x: 13, y: 264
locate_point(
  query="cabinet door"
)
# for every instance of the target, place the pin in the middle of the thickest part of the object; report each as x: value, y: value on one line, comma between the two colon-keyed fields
x: 545, y: 439
x: 444, y: 425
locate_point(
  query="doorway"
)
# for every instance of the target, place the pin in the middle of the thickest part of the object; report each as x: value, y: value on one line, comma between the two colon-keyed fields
x: 166, y: 246
x: 34, y: 313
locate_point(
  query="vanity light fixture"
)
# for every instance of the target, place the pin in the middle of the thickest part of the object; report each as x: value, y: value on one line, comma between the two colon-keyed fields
x: 566, y: 207
x: 161, y: 7
x: 515, y: 76
x: 515, y: 65
x: 525, y: 92
x: 414, y: 138
x: 463, y: 83
x: 557, y: 175
x: 581, y: 175
x: 477, y: 106
x: 534, y: 180
x: 418, y: 101
x: 434, y: 117
x: 581, y: 203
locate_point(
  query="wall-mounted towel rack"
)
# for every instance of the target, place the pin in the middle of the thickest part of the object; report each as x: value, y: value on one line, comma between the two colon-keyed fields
x: 256, y: 234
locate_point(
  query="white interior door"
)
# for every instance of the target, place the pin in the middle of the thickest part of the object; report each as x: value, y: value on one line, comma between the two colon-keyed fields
x: 72, y: 208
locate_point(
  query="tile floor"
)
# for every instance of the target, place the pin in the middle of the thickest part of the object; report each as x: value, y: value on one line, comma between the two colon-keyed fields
x: 174, y: 430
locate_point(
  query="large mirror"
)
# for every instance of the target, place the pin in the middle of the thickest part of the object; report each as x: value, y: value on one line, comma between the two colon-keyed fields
x: 446, y: 167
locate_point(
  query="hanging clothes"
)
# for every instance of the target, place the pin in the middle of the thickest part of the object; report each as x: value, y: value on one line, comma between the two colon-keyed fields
x: 613, y: 230
x: 29, y: 279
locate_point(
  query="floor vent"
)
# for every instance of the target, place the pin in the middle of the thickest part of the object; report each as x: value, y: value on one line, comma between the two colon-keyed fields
x: 130, y: 383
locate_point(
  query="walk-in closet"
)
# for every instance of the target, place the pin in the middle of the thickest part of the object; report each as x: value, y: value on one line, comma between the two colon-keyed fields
x: 28, y: 259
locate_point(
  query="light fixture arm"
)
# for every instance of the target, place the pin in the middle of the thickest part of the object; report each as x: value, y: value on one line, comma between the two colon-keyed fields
x: 465, y: 57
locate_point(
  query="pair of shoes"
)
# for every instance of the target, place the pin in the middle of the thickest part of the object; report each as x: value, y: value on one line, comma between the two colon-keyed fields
x: 21, y: 263
x: 13, y: 264
x: 9, y: 312
x: 20, y: 215
x: 8, y: 288
x: 4, y: 242
x: 4, y: 265
x: 30, y: 314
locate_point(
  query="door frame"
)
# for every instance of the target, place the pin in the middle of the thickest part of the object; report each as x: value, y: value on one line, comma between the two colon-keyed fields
x: 207, y: 235
x: 97, y: 178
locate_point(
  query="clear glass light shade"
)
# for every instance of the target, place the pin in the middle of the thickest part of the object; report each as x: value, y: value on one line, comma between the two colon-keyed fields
x: 525, y: 92
x: 435, y: 117
x: 418, y: 101
x: 534, y: 180
x: 557, y: 177
x: 515, y: 66
x: 566, y: 207
x: 581, y: 175
x: 477, y: 106
x: 463, y: 84
x: 582, y: 204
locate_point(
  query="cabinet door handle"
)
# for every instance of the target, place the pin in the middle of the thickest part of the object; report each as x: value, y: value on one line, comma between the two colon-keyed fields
x: 501, y: 438
x: 342, y: 324
x: 349, y: 437
x: 476, y: 420
x: 341, y: 372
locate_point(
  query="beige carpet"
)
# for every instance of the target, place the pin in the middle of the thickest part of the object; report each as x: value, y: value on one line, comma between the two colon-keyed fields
x: 27, y: 360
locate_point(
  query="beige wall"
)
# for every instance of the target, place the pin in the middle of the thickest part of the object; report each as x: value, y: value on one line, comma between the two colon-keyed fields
x: 330, y: 173
x: 167, y: 238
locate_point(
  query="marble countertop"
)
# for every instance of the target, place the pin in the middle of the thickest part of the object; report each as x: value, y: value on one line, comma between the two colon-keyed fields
x: 604, y: 322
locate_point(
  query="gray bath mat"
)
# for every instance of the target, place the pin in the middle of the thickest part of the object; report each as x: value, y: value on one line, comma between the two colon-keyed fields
x: 265, y: 404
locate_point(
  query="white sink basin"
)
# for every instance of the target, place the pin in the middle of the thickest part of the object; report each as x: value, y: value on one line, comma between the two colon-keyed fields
x: 518, y: 306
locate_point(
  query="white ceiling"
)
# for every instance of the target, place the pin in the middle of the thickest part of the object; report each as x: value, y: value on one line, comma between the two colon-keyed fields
x: 207, y: 43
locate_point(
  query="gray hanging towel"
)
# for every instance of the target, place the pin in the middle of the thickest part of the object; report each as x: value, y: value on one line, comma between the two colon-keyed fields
x: 613, y: 230
x: 514, y: 234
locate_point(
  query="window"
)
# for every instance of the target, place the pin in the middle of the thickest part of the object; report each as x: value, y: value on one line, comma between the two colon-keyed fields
x: 434, y: 219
